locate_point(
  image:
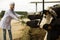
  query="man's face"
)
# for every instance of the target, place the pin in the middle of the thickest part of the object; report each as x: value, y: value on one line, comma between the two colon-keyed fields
x: 12, y: 6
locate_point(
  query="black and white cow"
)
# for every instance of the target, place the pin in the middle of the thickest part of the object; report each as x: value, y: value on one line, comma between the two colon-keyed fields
x: 51, y: 23
x: 34, y: 20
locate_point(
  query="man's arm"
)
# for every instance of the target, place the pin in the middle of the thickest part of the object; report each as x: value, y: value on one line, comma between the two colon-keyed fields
x: 13, y: 16
x: 17, y: 15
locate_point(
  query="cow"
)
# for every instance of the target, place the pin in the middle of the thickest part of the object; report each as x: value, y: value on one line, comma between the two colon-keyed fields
x: 34, y: 20
x: 51, y: 23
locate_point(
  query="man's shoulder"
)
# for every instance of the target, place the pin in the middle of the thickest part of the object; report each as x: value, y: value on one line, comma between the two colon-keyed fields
x: 7, y: 11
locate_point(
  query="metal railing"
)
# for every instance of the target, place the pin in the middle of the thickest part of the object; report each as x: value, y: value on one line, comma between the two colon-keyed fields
x: 43, y: 2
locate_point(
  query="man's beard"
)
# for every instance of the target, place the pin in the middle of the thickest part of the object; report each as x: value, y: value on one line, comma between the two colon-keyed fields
x: 12, y: 9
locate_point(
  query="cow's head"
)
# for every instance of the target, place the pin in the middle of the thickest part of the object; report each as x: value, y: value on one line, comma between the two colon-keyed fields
x: 46, y: 19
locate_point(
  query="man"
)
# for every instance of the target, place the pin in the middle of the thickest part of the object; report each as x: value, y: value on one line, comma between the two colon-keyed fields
x: 6, y: 20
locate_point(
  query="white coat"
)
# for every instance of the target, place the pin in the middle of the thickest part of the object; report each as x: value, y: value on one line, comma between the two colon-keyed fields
x: 6, y: 20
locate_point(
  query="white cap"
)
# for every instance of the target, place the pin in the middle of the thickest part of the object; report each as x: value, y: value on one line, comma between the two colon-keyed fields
x: 12, y: 3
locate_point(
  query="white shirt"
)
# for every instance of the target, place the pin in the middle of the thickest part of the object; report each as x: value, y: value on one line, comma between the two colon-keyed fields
x: 6, y: 20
